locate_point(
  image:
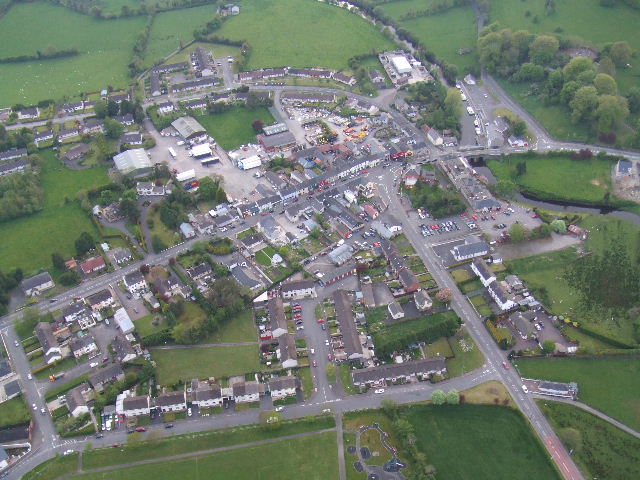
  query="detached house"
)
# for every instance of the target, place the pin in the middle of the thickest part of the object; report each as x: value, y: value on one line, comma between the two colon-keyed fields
x: 37, y: 284
x: 76, y: 401
x: 93, y: 265
x: 135, y: 283
x: 73, y: 312
x: 123, y: 349
x: 112, y: 373
x: 100, y: 300
x: 50, y: 345
x: 471, y: 248
x: 271, y: 230
x: 395, y: 310
x: 422, y: 300
x: 83, y: 346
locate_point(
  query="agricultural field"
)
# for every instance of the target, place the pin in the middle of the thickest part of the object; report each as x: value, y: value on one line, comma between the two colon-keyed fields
x: 497, y: 443
x: 233, y: 128
x: 337, y: 34
x: 201, y: 362
x: 546, y: 176
x: 443, y: 33
x: 600, y: 449
x: 62, y: 221
x: 105, y: 50
x: 609, y: 384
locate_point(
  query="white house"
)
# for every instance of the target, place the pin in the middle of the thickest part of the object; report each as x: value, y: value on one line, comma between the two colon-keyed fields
x: 207, y: 396
x: 83, y: 346
x: 136, y: 406
x: 37, y: 284
x: 246, y: 392
x: 471, y: 248
x: 298, y: 289
x: 282, y: 387
x: 395, y: 310
x: 135, y: 283
x: 76, y: 402
x: 171, y: 401
x: 100, y: 300
x: 500, y: 296
x: 482, y: 270
x: 422, y: 300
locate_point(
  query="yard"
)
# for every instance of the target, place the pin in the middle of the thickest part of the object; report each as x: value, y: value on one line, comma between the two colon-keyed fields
x: 337, y: 34
x: 233, y: 128
x: 61, y: 221
x: 609, y: 384
x: 497, y: 443
x: 202, y: 362
x: 104, y: 45
x: 14, y: 412
x: 600, y: 449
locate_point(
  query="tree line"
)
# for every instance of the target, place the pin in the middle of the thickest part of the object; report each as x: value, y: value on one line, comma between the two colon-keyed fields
x: 438, y: 6
x: 42, y: 55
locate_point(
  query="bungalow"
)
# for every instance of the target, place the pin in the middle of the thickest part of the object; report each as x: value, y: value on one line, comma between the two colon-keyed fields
x: 93, y: 265
x: 112, y: 373
x: 37, y: 284
x: 119, y: 98
x: 195, y: 104
x: 406, y: 371
x: 223, y: 221
x: 346, y: 79
x: 166, y: 107
x: 123, y: 349
x: 395, y: 310
x: 123, y: 321
x: 482, y: 270
x: 501, y: 297
x: 382, y: 230
x: 135, y: 283
x: 624, y: 169
x: 207, y: 396
x: 66, y: 134
x: 100, y: 300
x: 136, y: 406
x: 126, y: 120
x: 93, y: 126
x: 368, y: 298
x: 149, y: 189
x: 276, y: 317
x: 246, y: 392
x: 77, y: 152
x: 28, y: 113
x: 72, y: 107
x: 154, y: 84
x: 471, y: 248
x: 350, y: 335
x: 131, y: 138
x: 50, y: 346
x: 171, y: 401
x: 422, y: 300
x: 522, y: 321
x: 281, y: 387
x: 287, y: 352
x: 76, y: 401
x: 122, y: 255
x: 83, y: 346
x: 187, y: 230
x: 172, y: 67
x: 298, y: 289
x: 43, y: 137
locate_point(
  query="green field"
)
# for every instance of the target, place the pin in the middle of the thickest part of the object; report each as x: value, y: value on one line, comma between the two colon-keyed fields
x: 443, y: 33
x: 467, y: 356
x: 600, y: 449
x: 233, y: 128
x: 54, y: 468
x: 105, y: 46
x: 14, y: 412
x: 321, y: 35
x: 609, y: 384
x: 24, y: 242
x: 264, y: 256
x: 239, y: 329
x: 479, y: 442
x: 547, y: 176
x: 203, y: 362
x: 284, y: 459
x: 219, y: 51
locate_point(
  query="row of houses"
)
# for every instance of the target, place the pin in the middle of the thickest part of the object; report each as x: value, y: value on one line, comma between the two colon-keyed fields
x: 286, y: 352
x: 271, y: 73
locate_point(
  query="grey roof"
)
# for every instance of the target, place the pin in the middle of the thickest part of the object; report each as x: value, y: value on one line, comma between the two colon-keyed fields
x: 36, y: 281
x: 243, y: 279
x: 104, y: 375
x: 250, y: 240
x: 483, y: 268
x: 278, y: 140
x: 209, y: 392
x: 44, y: 332
x: 169, y: 399
x: 122, y: 347
x: 74, y: 397
x: 624, y: 167
x: 135, y: 403
x: 555, y: 386
x: 280, y: 383
x: 246, y: 388
x: 77, y: 151
x: 99, y: 297
x: 374, y: 374
x: 82, y: 342
x: 477, y: 249
x: 276, y: 313
x: 499, y: 292
x: 341, y: 254
x: 199, y: 270
x: 12, y: 388
x: 188, y: 127
x: 287, y: 345
x: 275, y: 129
x: 130, y: 160
x: 3, y: 454
x: 133, y: 277
x: 297, y: 285
x: 407, y: 278
x: 344, y: 315
x: 5, y: 368
x: 395, y: 308
x: 131, y: 137
x: 13, y: 153
x: 13, y: 166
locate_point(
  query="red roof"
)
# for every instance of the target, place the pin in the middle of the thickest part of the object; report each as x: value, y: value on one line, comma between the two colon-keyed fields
x: 93, y: 264
x: 372, y: 212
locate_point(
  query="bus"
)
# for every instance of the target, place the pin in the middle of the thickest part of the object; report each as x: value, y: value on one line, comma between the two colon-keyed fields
x: 172, y: 152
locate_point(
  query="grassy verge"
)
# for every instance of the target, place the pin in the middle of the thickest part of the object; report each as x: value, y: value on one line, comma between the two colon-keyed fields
x: 344, y: 370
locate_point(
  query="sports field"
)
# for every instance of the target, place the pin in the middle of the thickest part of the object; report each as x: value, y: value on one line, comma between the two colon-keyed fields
x: 104, y: 46
x: 233, y: 128
x: 28, y: 242
x: 301, y: 33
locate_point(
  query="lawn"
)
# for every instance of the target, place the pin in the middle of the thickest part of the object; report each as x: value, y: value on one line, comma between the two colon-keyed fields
x: 233, y: 128
x: 601, y: 450
x: 497, y: 443
x: 304, y: 374
x: 546, y: 177
x: 144, y: 326
x: 323, y: 35
x: 284, y: 459
x: 14, y: 412
x: 466, y: 354
x: 105, y: 50
x: 264, y: 256
x: 609, y: 384
x: 239, y: 329
x: 61, y: 222
x: 202, y: 362
x: 54, y: 468
x: 168, y: 236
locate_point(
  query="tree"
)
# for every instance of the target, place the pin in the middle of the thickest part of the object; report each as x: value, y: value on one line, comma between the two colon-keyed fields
x: 221, y: 195
x: 257, y: 125
x: 549, y: 346
x: 517, y: 233
x: 572, y: 439
x: 607, y: 66
x: 389, y: 406
x: 620, y: 53
x: 568, y: 91
x: 633, y: 99
x: 543, y: 49
x: 453, y: 397
x: 129, y: 209
x: 611, y: 112
x: 584, y: 104
x: 84, y: 243
x: 453, y: 103
x: 208, y: 189
x: 112, y: 128
x: 559, y: 226
x: 57, y: 260
x: 100, y: 109
x: 575, y: 67
x: 444, y: 295
x: 605, y: 84
x: 69, y: 278
x: 438, y: 397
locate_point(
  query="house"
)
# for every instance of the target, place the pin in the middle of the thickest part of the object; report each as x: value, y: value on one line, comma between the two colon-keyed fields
x: 16, y: 166
x: 281, y: 387
x: 246, y: 392
x: 422, y: 300
x: 112, y: 373
x: 28, y: 113
x: 77, y: 152
x: 166, y: 107
x: 50, y: 346
x: 100, y: 300
x: 135, y: 283
x: 154, y: 84
x: 72, y: 107
x: 171, y: 401
x: 207, y: 396
x: 93, y: 125
x: 132, y: 161
x: 5, y: 369
x: 76, y: 402
x: 341, y: 254
x: 89, y: 319
x: 482, y: 270
x: 346, y: 79
x: 435, y: 137
x: 393, y: 224
x: 557, y: 389
x: 382, y: 230
x: 93, y: 265
x: 624, y: 168
x: 276, y: 317
x: 201, y: 271
x: 371, y: 211
x: 11, y: 389
x: 13, y: 154
x: 120, y: 97
x: 123, y: 321
x: 500, y: 296
x: 408, y: 280
x: 168, y: 287
x: 240, y: 276
x: 407, y: 371
x: 83, y: 346
x: 253, y: 243
x: 149, y: 189
x: 298, y: 289
x: 471, y: 248
x: 514, y: 283
x: 229, y: 10
x: 350, y: 335
x: 187, y: 231
x: 43, y: 137
x: 287, y: 352
x: 136, y: 406
x: 37, y: 284
x: 123, y: 349
x: 66, y: 134
x: 395, y: 310
x: 127, y: 120
x: 271, y: 230
x: 337, y: 274
x: 522, y: 321
x: 131, y: 138
x: 122, y: 255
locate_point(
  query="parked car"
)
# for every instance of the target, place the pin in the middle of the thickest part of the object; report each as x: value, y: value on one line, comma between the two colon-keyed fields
x: 279, y: 409
x: 506, y: 365
x: 379, y: 390
x: 168, y: 425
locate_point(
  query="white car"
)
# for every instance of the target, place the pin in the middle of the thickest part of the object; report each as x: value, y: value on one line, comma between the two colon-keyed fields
x: 29, y: 376
x: 326, y: 342
x: 189, y: 412
x: 68, y: 452
x: 379, y: 390
x: 93, y: 364
x: 525, y: 389
x: 34, y: 406
x: 279, y: 409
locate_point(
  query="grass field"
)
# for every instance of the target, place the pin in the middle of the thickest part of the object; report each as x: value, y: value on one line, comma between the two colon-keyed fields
x: 443, y: 33
x: 144, y: 326
x: 609, y: 384
x: 219, y: 51
x: 187, y: 363
x: 496, y: 441
x: 323, y: 35
x: 239, y: 329
x: 54, y: 468
x: 601, y: 450
x: 14, y: 412
x: 547, y: 176
x: 467, y: 356
x: 233, y: 128
x: 23, y: 243
x: 105, y: 47
x: 284, y: 459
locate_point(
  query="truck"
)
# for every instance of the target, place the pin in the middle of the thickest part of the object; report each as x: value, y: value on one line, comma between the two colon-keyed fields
x: 56, y: 376
x: 172, y: 153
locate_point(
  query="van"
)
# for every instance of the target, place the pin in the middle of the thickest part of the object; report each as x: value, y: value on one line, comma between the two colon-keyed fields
x: 93, y: 364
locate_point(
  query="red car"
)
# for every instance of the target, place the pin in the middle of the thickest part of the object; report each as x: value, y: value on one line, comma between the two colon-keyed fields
x: 376, y: 244
x: 463, y: 214
x: 141, y: 429
x: 116, y: 445
x: 506, y: 365
x: 315, y: 364
x: 535, y: 215
x: 320, y: 320
x: 475, y: 218
x: 329, y: 356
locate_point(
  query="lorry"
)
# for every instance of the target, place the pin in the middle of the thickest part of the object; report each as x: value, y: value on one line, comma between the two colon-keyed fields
x: 56, y: 376
x: 172, y: 153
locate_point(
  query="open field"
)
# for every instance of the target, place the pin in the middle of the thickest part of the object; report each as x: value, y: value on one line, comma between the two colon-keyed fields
x: 284, y: 459
x: 496, y: 441
x: 54, y: 468
x: 443, y: 33
x: 546, y: 176
x: 323, y: 35
x: 62, y: 222
x: 609, y: 384
x: 239, y: 329
x: 601, y: 450
x: 104, y: 45
x: 203, y: 362
x: 14, y: 412
x: 233, y: 128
